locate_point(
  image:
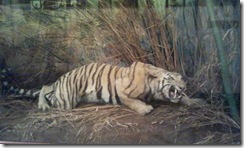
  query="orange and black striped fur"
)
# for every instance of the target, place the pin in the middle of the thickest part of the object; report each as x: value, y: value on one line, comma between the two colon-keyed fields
x: 131, y: 86
x: 96, y: 82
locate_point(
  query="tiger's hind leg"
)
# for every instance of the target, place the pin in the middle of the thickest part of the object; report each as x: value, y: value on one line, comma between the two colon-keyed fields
x: 42, y: 102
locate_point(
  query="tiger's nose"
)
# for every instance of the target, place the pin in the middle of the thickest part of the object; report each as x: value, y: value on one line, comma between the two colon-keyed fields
x: 182, y: 86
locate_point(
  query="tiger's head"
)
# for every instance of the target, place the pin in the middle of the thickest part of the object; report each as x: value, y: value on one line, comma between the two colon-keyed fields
x: 165, y: 84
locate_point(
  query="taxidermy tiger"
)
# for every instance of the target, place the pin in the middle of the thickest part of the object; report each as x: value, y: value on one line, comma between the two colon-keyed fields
x: 102, y: 83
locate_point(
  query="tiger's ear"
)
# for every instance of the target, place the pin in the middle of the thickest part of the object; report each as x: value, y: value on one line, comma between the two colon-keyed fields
x: 152, y: 71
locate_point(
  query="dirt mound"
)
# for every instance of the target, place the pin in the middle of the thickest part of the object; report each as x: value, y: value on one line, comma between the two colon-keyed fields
x: 108, y: 124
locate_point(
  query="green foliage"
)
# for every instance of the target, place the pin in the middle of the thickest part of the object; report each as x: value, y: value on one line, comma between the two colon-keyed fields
x: 223, y: 62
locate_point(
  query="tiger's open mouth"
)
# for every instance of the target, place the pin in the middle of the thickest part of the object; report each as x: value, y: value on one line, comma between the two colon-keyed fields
x: 175, y: 93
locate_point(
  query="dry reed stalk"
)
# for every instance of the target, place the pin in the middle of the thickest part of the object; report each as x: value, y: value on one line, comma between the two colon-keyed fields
x: 98, y: 117
x: 139, y: 36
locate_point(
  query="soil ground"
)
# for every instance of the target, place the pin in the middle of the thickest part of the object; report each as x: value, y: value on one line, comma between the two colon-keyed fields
x: 21, y: 121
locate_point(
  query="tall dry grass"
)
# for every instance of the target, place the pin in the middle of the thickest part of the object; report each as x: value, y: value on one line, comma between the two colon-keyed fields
x: 140, y: 36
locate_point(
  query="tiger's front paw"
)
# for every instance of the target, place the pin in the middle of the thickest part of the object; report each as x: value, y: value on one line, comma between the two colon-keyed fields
x: 145, y: 110
x: 43, y: 106
x: 198, y: 102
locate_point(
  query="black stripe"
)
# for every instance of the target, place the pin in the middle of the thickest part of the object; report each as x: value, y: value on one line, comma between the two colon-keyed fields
x: 75, y: 75
x: 121, y: 73
x: 78, y: 80
x: 115, y: 74
x: 97, y: 67
x: 98, y: 83
x: 132, y: 91
x: 162, y: 86
x: 48, y: 98
x: 158, y: 86
x: 109, y: 85
x: 76, y: 91
x: 117, y: 97
x: 148, y: 95
x: 75, y: 82
x: 86, y: 84
x: 24, y: 93
x: 99, y: 93
x: 81, y: 76
x: 61, y: 86
x: 91, y: 68
x: 80, y: 70
x: 70, y: 92
x: 139, y: 96
x: 16, y: 91
x: 67, y: 85
x: 73, y: 89
x: 63, y: 99
x: 89, y: 74
x: 84, y: 76
x: 133, y: 76
x: 32, y: 93
x: 115, y: 92
x: 98, y: 80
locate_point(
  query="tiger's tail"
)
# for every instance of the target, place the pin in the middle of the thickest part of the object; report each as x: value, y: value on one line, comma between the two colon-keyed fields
x: 9, y: 89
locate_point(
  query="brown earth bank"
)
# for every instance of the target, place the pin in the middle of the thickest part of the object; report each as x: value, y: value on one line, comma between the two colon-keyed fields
x: 20, y: 121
